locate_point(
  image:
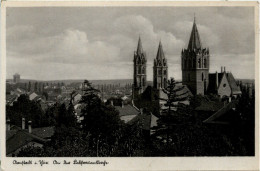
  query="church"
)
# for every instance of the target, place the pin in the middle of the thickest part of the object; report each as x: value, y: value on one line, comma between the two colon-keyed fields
x: 195, y: 64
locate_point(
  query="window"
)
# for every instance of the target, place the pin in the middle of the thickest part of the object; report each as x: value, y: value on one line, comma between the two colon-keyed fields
x: 143, y: 71
x: 199, y: 62
x: 165, y: 72
x: 205, y: 63
x: 143, y: 82
x: 194, y: 63
x: 202, y: 77
x: 139, y: 70
x: 160, y: 71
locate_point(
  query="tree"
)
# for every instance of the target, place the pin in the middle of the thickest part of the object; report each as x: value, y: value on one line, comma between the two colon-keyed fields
x: 168, y: 118
x: 100, y: 121
x: 36, y: 86
x: 29, y: 86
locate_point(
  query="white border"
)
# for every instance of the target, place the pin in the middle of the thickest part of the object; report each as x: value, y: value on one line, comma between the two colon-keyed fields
x: 134, y: 163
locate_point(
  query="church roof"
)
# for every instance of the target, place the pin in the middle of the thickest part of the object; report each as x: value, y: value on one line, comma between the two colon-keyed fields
x: 160, y: 53
x: 232, y: 82
x: 194, y: 42
x: 139, y: 47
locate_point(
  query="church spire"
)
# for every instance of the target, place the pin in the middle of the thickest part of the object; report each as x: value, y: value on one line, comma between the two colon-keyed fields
x: 160, y: 53
x: 194, y: 42
x: 139, y: 47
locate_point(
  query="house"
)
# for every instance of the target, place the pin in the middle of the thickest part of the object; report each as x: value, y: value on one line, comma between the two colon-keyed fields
x: 10, y: 99
x: 76, y: 97
x: 17, y: 138
x: 224, y: 115
x: 223, y: 84
x: 127, y: 112
x: 146, y: 120
x: 32, y: 95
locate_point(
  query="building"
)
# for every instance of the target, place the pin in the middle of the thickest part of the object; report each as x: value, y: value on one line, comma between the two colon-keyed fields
x: 139, y: 69
x: 18, y: 138
x: 160, y: 69
x: 16, y: 78
x: 223, y: 84
x: 195, y: 64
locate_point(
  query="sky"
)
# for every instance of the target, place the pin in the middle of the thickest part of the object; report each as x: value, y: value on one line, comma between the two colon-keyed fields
x: 52, y: 43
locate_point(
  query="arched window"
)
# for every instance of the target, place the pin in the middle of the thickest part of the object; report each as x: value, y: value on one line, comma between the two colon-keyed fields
x: 194, y: 63
x: 202, y: 77
x: 199, y: 62
x: 205, y: 63
x: 185, y: 64
x: 189, y: 63
x: 143, y: 71
x: 139, y: 69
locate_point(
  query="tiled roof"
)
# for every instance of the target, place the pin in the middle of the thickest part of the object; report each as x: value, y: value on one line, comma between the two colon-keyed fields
x: 222, y: 111
x: 232, y: 82
x: 210, y: 106
x: 44, y: 132
x: 143, y: 119
x: 19, y: 139
x: 127, y: 110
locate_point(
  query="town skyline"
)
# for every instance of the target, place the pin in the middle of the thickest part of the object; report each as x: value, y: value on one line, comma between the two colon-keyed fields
x: 76, y: 50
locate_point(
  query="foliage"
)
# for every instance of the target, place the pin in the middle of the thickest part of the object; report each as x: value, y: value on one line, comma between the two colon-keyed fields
x: 28, y: 109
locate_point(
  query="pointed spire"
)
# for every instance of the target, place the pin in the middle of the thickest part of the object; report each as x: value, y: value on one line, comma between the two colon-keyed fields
x: 160, y: 53
x: 194, y: 42
x: 139, y: 47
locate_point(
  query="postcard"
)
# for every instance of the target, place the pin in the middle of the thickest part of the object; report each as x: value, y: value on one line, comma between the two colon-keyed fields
x: 130, y: 85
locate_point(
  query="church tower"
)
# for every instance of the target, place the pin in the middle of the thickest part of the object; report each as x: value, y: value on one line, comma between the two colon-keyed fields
x: 139, y: 69
x: 160, y: 69
x: 195, y: 64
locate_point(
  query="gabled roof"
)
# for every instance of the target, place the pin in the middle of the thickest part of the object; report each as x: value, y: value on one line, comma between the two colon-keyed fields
x: 44, y: 132
x: 194, y: 42
x: 211, y: 106
x: 232, y: 82
x: 127, y: 110
x: 144, y: 119
x: 19, y: 139
x: 212, y: 87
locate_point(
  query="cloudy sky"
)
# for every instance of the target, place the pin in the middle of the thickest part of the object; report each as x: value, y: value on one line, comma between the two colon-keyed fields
x: 99, y: 42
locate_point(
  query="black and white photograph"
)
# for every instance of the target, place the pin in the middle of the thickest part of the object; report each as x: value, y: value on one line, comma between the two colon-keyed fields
x: 130, y: 81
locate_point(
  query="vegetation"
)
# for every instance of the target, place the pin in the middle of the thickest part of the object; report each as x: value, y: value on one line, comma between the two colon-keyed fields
x: 102, y: 133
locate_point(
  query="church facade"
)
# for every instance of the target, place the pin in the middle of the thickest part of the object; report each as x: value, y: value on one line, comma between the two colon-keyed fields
x: 195, y: 65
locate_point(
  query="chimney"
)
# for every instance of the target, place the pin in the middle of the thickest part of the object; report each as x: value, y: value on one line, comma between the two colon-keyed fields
x: 122, y: 104
x: 221, y: 69
x: 23, y: 123
x: 141, y: 111
x: 217, y: 79
x: 30, y: 126
x: 111, y: 102
x: 224, y: 69
x: 8, y: 126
